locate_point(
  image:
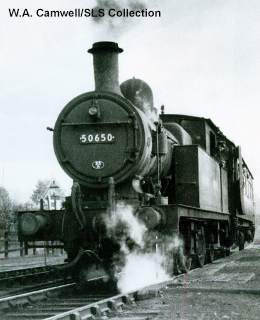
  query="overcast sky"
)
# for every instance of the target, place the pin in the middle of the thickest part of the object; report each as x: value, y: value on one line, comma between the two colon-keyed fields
x: 201, y: 57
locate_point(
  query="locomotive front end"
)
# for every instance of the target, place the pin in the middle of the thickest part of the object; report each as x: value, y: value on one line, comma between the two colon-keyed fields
x: 100, y: 134
x: 114, y: 147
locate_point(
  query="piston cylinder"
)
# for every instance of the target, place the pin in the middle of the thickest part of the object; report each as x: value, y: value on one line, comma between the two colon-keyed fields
x: 150, y: 217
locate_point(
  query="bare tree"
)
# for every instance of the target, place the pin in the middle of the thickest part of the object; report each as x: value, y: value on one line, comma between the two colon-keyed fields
x: 42, y: 190
x: 6, y: 209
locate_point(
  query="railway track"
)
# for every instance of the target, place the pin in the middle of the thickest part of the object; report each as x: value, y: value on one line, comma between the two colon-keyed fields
x: 96, y: 300
x: 26, y: 273
x: 66, y: 302
x: 13, y: 282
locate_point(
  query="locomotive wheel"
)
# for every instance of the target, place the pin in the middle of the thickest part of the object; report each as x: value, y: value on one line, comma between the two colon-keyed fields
x: 187, y: 263
x: 227, y: 252
x: 241, y: 241
x: 181, y: 262
x: 200, y: 256
x: 221, y: 253
x: 210, y: 255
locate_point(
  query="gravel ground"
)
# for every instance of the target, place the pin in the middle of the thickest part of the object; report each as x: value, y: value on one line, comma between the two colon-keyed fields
x: 227, y: 289
x: 201, y: 306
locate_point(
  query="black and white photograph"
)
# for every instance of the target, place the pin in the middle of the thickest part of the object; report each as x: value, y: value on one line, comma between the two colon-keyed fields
x: 130, y: 163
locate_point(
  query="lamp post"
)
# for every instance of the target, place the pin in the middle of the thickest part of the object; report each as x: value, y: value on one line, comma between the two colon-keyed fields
x: 53, y: 194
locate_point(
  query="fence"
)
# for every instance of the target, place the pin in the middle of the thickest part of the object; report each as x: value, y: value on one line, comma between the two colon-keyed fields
x: 9, y: 244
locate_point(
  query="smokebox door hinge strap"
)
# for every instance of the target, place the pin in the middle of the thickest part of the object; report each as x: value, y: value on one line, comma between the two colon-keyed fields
x: 135, y: 126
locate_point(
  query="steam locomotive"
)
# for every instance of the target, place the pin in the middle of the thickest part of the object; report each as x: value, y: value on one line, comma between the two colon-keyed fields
x: 179, y: 174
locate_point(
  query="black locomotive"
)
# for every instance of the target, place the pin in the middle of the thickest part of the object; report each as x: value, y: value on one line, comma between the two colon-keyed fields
x: 179, y: 174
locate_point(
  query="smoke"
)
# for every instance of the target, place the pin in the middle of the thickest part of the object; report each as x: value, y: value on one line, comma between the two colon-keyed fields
x: 141, y: 100
x: 145, y: 256
x: 114, y: 27
x: 151, y: 113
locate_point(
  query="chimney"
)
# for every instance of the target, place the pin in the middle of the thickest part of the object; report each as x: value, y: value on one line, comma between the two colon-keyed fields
x: 105, y: 60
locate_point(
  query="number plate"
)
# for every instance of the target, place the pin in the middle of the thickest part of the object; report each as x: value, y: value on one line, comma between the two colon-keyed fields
x: 97, y: 138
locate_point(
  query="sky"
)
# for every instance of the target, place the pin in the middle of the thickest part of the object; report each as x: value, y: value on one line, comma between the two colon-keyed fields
x: 201, y: 58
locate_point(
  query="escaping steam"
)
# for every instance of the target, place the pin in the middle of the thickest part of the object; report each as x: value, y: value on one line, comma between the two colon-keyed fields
x: 124, y: 227
x: 145, y: 256
x: 111, y: 28
x: 142, y: 270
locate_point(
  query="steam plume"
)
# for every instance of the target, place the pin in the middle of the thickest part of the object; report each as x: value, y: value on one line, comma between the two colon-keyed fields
x: 145, y: 257
x: 142, y: 270
x: 114, y: 27
x: 123, y: 226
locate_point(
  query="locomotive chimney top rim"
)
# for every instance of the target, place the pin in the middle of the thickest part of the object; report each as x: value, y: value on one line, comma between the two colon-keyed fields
x: 105, y: 46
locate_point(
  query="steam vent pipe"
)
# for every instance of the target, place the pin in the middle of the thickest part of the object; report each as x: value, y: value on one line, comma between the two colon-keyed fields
x: 105, y: 60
